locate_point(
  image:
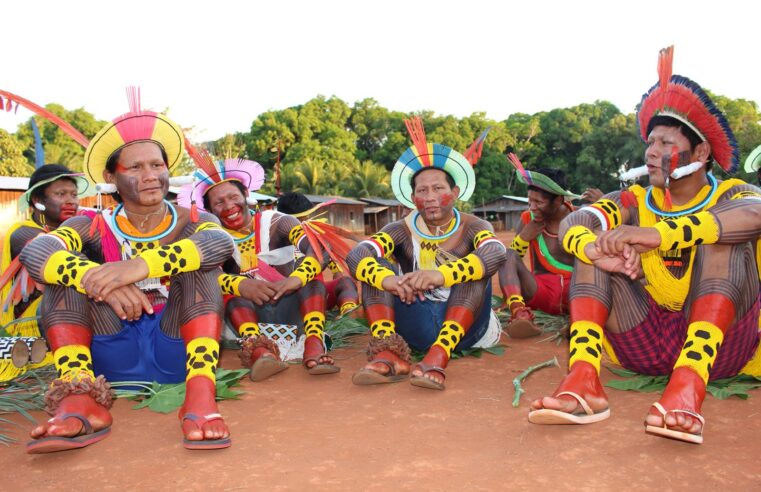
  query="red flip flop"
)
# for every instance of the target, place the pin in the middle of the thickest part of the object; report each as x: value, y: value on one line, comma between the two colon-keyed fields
x: 60, y: 443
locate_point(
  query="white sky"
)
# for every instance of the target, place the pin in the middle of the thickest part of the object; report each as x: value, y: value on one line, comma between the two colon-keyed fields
x: 218, y: 64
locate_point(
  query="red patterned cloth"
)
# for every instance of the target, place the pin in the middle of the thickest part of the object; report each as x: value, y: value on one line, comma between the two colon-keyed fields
x: 653, y: 346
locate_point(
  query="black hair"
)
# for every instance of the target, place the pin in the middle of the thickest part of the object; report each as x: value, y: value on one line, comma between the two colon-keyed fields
x: 293, y: 203
x: 449, y: 177
x: 238, y: 184
x: 685, y: 130
x: 41, y: 174
x: 557, y: 175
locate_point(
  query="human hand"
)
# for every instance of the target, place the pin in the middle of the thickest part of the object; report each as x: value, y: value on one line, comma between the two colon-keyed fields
x: 128, y: 302
x: 591, y: 195
x: 531, y: 230
x: 259, y: 291
x: 423, y: 280
x: 100, y: 281
x: 285, y: 287
x: 394, y: 285
x: 614, y: 241
x: 628, y: 262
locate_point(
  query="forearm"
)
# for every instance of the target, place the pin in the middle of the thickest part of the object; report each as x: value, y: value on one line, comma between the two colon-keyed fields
x: 208, y: 248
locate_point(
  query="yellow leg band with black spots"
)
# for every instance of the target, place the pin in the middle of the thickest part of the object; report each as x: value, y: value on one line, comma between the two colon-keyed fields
x: 515, y: 298
x: 230, y: 284
x: 371, y: 272
x: 450, y: 335
x: 314, y: 324
x: 73, y: 361
x: 347, y: 306
x: 463, y: 270
x: 520, y: 246
x: 687, y: 231
x: 586, y: 344
x: 172, y: 259
x: 383, y: 328
x: 307, y: 271
x: 64, y: 268
x: 202, y: 358
x: 295, y: 234
x: 700, y: 348
x: 576, y: 239
x: 249, y: 329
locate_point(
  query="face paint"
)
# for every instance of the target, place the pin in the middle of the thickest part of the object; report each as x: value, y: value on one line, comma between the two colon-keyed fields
x: 61, y: 201
x: 419, y: 203
x: 229, y: 205
x: 447, y: 199
x: 141, y: 175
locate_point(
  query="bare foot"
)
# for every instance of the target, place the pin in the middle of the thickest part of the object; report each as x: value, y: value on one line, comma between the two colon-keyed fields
x: 436, y: 357
x: 200, y: 402
x: 97, y: 415
x: 685, y: 391
x: 582, y: 380
x: 400, y: 367
x: 315, y: 353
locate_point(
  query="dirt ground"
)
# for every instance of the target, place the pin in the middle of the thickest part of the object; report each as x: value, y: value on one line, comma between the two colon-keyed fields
x: 295, y: 431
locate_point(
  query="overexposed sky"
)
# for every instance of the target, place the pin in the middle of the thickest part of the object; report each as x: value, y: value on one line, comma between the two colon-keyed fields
x: 218, y: 64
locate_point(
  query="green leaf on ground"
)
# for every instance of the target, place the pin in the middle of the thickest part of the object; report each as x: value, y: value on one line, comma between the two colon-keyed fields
x: 720, y: 388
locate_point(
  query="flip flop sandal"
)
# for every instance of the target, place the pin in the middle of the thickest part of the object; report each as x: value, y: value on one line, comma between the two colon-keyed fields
x: 675, y: 434
x: 365, y: 377
x: 424, y: 382
x: 318, y: 368
x: 59, y: 443
x: 587, y: 416
x: 265, y: 367
x: 522, y: 328
x: 205, y: 443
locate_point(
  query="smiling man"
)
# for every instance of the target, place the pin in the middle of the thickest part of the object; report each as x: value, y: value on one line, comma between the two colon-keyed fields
x: 685, y: 305
x: 545, y: 285
x: 131, y: 294
x: 426, y: 278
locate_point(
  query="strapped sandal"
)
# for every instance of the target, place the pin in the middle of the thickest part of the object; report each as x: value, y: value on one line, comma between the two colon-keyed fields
x: 366, y: 376
x: 675, y: 434
x: 265, y: 367
x: 522, y: 328
x: 585, y: 416
x: 204, y: 443
x: 52, y: 444
x: 424, y: 382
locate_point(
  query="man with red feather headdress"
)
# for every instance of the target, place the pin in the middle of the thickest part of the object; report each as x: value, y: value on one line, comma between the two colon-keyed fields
x: 665, y: 276
x: 131, y: 292
x: 426, y: 278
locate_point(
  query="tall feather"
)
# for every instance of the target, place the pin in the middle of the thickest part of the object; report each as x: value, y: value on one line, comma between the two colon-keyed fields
x: 203, y: 160
x: 417, y: 133
x: 519, y: 166
x: 133, y: 99
x: 473, y: 154
x: 39, y: 152
x: 67, y: 128
x: 665, y: 69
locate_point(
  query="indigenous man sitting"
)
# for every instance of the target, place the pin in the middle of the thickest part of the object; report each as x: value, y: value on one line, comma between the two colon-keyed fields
x: 545, y: 285
x: 341, y: 291
x: 53, y: 196
x: 695, y: 316
x: 131, y: 294
x: 426, y: 277
x: 266, y: 271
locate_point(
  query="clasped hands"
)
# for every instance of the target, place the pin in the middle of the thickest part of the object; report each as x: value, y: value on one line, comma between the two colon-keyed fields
x: 618, y: 250
x: 412, y: 286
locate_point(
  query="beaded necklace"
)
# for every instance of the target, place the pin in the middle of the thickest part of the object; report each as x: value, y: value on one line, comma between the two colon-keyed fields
x: 115, y: 225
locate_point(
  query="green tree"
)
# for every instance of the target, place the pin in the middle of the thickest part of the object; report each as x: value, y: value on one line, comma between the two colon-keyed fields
x: 12, y: 160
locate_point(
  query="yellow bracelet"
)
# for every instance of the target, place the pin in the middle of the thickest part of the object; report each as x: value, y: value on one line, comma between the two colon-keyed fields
x: 371, y: 272
x: 463, y: 270
x: 172, y: 259
x: 689, y: 230
x: 230, y: 284
x: 64, y: 268
x: 520, y: 246
x: 576, y: 239
x: 307, y: 271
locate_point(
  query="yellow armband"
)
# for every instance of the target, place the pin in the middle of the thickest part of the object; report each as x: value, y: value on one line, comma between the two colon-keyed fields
x: 463, y: 270
x: 70, y: 238
x: 307, y: 271
x: 371, y: 272
x: 179, y: 257
x: 689, y: 230
x: 576, y: 239
x: 520, y: 246
x: 230, y: 284
x: 64, y: 268
x: 295, y: 234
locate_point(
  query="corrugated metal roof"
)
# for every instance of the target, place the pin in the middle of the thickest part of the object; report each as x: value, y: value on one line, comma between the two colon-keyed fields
x: 389, y: 202
x: 374, y: 210
x: 340, y: 200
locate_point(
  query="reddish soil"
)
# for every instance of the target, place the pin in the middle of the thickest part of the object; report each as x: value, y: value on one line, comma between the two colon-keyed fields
x: 295, y: 431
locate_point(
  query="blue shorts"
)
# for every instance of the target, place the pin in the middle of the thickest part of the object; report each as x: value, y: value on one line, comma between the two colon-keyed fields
x: 419, y: 323
x: 140, y: 352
